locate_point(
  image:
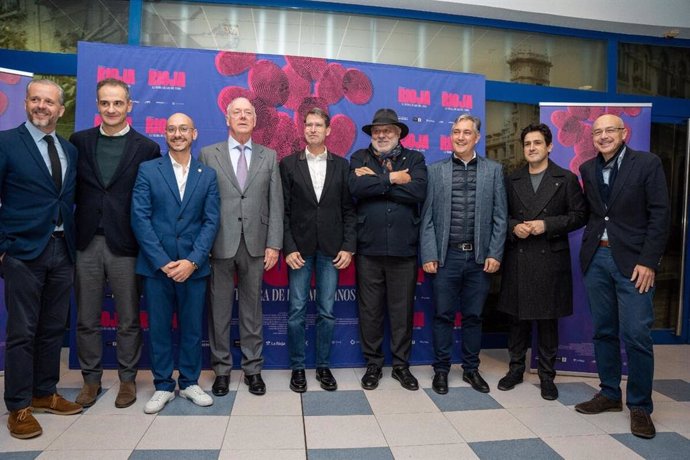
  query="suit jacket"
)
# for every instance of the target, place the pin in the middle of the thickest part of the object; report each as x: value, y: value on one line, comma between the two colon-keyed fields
x: 388, y: 214
x: 490, y: 212
x: 108, y: 204
x: 328, y: 224
x: 537, y: 276
x: 30, y: 203
x: 637, y: 217
x: 169, y: 228
x: 256, y: 211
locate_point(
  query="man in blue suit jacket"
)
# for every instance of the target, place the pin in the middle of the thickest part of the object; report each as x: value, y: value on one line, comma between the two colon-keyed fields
x: 463, y: 231
x: 175, y: 216
x: 37, y: 181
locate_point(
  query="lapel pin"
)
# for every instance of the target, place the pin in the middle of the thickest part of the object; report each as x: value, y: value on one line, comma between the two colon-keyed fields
x: 199, y: 170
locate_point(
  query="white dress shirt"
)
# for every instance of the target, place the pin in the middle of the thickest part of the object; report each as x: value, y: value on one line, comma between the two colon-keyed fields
x: 317, y: 170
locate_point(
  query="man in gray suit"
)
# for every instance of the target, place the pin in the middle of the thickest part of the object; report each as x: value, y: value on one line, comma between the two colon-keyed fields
x: 248, y: 242
x: 462, y: 234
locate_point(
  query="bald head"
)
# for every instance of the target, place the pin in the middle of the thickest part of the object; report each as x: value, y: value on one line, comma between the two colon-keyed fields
x: 608, y: 134
x: 179, y: 134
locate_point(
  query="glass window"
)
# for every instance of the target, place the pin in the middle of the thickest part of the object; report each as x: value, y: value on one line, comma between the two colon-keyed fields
x: 57, y: 25
x: 654, y: 70
x: 669, y: 142
x: 504, y: 123
x: 499, y: 54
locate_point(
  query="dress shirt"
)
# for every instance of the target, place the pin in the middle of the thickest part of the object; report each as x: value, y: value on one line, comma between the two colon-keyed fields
x: 606, y: 172
x: 317, y: 170
x: 235, y: 153
x: 124, y: 131
x: 42, y: 146
x: 181, y: 173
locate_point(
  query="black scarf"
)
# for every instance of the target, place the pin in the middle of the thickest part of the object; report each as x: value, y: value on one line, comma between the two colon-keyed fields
x: 386, y: 159
x: 601, y: 164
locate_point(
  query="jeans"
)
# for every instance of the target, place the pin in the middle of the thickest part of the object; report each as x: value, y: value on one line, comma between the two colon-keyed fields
x: 326, y: 283
x: 619, y: 311
x: 461, y: 284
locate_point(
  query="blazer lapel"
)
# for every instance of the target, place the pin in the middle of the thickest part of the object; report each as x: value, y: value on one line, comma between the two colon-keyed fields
x: 303, y: 168
x: 447, y: 177
x: 166, y: 170
x: 36, y: 154
x: 223, y: 159
x: 91, y: 157
x: 622, y: 176
x: 131, y: 145
x: 590, y: 175
x: 547, y: 189
x: 258, y: 157
x: 192, y: 181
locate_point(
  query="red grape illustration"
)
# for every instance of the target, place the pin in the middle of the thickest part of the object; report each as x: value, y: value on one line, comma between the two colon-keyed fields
x: 357, y: 86
x: 343, y: 132
x: 308, y: 68
x: 232, y: 63
x: 4, y: 102
x: 269, y: 83
x: 227, y: 94
x: 330, y: 85
x: 299, y: 88
x: 266, y: 115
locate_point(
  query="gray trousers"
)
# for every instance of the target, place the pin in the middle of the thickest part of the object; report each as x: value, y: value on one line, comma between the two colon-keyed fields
x: 249, y: 272
x: 96, y: 265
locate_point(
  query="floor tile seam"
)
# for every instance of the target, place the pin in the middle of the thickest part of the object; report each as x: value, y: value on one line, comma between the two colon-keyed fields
x: 582, y: 416
x: 148, y: 428
x: 509, y: 412
x: 74, y: 420
x: 304, y: 424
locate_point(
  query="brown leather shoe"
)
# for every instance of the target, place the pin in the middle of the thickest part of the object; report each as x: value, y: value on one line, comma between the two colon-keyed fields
x: 641, y: 424
x: 88, y: 394
x: 23, y: 425
x: 598, y: 404
x: 55, y: 404
x: 127, y: 395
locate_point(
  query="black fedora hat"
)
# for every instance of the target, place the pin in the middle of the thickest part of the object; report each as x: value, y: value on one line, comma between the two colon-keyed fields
x: 386, y: 117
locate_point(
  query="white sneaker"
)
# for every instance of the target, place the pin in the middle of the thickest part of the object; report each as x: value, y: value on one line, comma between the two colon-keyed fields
x: 196, y: 395
x: 158, y: 401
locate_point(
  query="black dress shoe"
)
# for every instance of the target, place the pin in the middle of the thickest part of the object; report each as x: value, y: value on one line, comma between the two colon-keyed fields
x: 509, y: 381
x: 298, y: 381
x: 220, y: 385
x: 324, y: 375
x: 403, y: 375
x: 549, y: 391
x: 371, y: 377
x: 440, y: 383
x: 256, y: 384
x: 476, y: 380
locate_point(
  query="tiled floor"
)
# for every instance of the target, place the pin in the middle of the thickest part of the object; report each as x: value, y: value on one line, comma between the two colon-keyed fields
x: 355, y: 424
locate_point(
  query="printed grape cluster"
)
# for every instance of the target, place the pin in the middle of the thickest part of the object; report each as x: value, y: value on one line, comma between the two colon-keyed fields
x: 9, y: 79
x: 574, y: 129
x: 300, y: 85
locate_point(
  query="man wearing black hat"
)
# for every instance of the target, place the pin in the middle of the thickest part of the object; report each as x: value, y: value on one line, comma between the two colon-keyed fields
x: 389, y: 183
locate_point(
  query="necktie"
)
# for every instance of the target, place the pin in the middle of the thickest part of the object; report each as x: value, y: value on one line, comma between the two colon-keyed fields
x: 55, y: 166
x: 241, y: 167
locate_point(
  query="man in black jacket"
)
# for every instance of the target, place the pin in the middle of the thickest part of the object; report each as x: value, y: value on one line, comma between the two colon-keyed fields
x: 319, y: 237
x: 389, y: 183
x: 621, y: 250
x: 109, y: 158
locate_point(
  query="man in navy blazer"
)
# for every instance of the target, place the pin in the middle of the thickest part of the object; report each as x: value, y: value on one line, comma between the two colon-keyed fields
x: 320, y: 238
x: 463, y: 231
x: 175, y: 216
x: 109, y: 158
x: 37, y: 181
x: 622, y: 247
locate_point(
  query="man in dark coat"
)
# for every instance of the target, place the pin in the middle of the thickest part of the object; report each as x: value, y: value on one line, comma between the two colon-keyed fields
x: 545, y: 203
x: 389, y: 183
x: 622, y: 246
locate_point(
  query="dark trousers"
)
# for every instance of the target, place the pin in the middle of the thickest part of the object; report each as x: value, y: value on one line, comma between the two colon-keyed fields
x: 163, y: 298
x: 386, y: 283
x: 37, y: 299
x: 519, y: 340
x: 460, y: 285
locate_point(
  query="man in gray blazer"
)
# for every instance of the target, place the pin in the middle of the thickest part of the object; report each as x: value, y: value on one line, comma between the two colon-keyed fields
x: 248, y: 242
x: 462, y: 234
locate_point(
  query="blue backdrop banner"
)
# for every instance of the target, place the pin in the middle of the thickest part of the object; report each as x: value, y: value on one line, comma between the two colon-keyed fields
x: 201, y: 83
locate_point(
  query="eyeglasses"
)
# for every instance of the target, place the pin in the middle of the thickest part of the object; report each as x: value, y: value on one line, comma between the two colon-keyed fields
x: 184, y: 129
x: 610, y: 130
x: 239, y: 113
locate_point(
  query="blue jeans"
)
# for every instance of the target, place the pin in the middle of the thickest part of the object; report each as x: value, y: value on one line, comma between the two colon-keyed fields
x: 619, y: 311
x: 460, y: 285
x: 326, y: 284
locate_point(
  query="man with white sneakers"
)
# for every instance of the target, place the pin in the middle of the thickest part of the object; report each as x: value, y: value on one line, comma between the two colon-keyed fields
x: 175, y: 216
